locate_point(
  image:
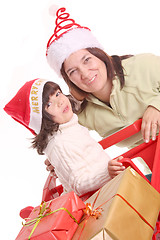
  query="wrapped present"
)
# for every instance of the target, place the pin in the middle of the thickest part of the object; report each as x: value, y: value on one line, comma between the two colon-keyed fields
x: 127, y: 207
x: 56, y: 219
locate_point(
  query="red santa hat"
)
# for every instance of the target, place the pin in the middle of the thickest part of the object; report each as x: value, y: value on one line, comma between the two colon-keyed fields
x: 68, y: 37
x: 26, y: 106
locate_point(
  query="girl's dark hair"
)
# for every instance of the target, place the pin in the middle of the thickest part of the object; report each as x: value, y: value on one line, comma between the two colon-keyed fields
x: 113, y: 64
x: 48, y: 126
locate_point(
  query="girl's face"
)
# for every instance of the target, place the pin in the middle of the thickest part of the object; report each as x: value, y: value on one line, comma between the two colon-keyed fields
x: 59, y: 107
x: 86, y: 71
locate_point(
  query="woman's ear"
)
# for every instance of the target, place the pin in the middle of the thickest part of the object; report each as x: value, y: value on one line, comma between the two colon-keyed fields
x: 76, y: 94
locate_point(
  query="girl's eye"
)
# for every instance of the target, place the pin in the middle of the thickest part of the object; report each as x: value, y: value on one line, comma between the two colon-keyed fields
x: 48, y: 104
x: 57, y: 94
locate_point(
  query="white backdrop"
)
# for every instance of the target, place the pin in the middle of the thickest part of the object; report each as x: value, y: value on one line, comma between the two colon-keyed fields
x: 123, y: 27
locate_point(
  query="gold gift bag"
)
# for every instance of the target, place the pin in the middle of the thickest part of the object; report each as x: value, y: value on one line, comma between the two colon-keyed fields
x: 130, y: 207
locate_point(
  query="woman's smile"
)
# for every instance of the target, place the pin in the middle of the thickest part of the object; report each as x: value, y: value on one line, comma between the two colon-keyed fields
x: 86, y: 71
x: 92, y: 79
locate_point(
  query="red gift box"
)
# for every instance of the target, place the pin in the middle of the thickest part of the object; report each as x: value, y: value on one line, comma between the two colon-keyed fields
x: 56, y: 225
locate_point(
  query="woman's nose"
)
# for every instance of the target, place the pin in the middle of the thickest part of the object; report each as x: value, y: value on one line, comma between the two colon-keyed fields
x: 84, y: 73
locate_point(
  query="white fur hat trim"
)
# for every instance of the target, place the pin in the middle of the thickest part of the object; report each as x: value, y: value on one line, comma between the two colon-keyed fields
x: 70, y: 42
x: 36, y: 104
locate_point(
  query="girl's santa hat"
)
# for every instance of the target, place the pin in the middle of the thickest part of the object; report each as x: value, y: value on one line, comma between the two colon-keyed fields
x: 26, y: 106
x: 68, y: 38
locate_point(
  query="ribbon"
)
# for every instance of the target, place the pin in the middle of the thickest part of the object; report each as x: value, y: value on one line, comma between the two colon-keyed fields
x: 44, y: 211
x: 91, y: 212
x: 136, y: 211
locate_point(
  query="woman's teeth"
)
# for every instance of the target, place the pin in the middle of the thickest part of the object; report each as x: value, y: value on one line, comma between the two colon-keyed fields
x: 92, y: 79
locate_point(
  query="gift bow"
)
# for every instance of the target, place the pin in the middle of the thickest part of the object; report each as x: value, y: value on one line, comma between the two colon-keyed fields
x: 43, y: 212
x: 90, y: 212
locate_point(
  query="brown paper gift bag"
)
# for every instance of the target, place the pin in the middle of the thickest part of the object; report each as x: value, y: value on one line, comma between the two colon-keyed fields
x: 130, y: 210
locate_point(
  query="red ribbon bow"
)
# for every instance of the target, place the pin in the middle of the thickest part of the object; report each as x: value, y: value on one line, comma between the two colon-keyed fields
x: 90, y: 212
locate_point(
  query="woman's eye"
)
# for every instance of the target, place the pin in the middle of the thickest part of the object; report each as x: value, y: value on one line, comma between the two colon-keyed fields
x: 87, y: 59
x: 72, y: 72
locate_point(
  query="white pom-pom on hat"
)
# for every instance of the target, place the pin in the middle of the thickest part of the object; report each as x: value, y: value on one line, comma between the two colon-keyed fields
x: 53, y: 9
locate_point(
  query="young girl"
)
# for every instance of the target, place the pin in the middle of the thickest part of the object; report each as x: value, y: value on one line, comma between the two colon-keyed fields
x: 80, y: 162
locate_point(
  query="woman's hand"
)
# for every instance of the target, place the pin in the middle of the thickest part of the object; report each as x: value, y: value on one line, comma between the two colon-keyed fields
x: 115, y: 167
x: 50, y: 168
x: 150, y: 123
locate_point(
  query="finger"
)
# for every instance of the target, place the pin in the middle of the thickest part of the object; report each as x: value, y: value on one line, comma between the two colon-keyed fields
x: 51, y: 171
x: 46, y: 162
x: 120, y: 158
x: 143, y: 129
x: 115, y: 162
x: 154, y: 130
x: 116, y: 168
x: 47, y: 168
x: 146, y: 132
x: 50, y: 168
x: 112, y: 175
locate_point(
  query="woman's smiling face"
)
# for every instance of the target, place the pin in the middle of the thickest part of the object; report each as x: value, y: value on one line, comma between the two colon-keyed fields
x: 86, y: 71
x: 59, y: 107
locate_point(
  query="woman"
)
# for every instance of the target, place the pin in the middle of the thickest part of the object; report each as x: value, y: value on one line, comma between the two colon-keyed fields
x: 115, y: 91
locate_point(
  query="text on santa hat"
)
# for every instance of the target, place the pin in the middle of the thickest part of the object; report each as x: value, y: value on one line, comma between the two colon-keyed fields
x: 34, y: 95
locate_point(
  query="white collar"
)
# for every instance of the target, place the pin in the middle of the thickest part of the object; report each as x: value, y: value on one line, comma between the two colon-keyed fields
x: 73, y: 121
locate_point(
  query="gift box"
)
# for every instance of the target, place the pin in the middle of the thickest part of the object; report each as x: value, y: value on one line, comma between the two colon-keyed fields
x: 127, y: 206
x: 58, y: 219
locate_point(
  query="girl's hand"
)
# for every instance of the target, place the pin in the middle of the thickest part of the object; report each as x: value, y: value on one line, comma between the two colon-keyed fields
x: 50, y: 168
x: 150, y: 123
x: 115, y: 167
